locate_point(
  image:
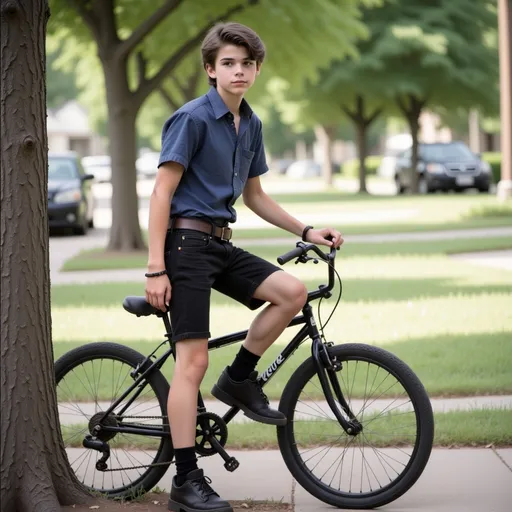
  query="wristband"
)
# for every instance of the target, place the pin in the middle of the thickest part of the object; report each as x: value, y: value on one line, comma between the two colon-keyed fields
x: 305, y: 232
x: 155, y: 274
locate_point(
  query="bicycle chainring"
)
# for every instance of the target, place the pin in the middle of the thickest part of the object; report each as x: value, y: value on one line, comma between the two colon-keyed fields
x: 210, y: 425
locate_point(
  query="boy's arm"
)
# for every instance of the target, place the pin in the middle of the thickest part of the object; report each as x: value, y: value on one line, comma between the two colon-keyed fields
x: 265, y: 207
x: 167, y: 180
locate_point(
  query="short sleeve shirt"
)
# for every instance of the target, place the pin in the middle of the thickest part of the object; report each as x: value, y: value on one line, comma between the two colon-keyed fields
x: 201, y: 136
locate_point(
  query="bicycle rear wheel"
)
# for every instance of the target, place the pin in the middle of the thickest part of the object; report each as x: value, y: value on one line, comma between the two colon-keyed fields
x: 89, y: 379
x: 379, y: 464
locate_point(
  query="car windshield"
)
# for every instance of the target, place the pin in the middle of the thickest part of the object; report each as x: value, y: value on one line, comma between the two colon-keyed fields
x: 446, y: 152
x: 61, y: 169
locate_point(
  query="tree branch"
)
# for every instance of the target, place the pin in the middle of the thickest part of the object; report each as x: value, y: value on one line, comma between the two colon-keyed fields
x: 168, y: 99
x: 84, y: 9
x: 146, y: 27
x: 374, y: 116
x: 350, y: 114
x: 150, y: 85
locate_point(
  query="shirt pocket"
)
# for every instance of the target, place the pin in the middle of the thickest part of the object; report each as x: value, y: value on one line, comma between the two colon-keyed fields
x: 245, y: 164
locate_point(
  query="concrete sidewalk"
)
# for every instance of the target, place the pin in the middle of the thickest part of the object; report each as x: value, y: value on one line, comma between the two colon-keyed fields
x: 465, y: 480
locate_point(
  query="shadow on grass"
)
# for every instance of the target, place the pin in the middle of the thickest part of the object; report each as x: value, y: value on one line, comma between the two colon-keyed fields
x: 451, y: 365
x: 354, y: 290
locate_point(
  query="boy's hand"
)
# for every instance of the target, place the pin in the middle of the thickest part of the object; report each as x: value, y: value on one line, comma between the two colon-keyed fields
x: 158, y: 292
x: 320, y: 237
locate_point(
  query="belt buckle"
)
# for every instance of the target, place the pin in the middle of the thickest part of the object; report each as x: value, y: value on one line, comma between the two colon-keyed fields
x: 226, y: 237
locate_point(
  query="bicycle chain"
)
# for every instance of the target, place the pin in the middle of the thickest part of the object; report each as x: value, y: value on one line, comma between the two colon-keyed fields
x: 148, y: 465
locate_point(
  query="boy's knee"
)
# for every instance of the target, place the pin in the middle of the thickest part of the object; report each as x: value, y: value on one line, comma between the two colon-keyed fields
x: 191, y: 361
x: 296, y: 294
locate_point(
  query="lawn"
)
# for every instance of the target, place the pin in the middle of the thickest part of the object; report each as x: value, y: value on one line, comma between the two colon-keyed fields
x: 456, y: 428
x: 351, y: 214
x: 449, y: 320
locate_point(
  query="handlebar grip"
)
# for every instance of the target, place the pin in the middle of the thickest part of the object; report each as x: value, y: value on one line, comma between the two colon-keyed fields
x: 290, y: 255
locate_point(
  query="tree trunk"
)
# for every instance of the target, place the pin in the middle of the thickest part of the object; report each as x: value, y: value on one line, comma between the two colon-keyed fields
x: 324, y: 135
x: 414, y: 127
x: 125, y: 233
x: 362, y: 150
x: 362, y: 123
x: 411, y: 108
x: 35, y: 474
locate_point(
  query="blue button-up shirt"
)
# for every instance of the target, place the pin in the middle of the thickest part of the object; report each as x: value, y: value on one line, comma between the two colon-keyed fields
x: 201, y: 136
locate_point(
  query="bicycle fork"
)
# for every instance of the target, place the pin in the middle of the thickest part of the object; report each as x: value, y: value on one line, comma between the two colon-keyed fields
x: 326, y: 370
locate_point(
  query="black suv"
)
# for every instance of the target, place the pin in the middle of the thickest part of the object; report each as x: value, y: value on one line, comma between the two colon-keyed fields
x: 443, y: 166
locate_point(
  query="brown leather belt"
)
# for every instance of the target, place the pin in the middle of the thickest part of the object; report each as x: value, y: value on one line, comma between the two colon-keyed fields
x: 225, y: 233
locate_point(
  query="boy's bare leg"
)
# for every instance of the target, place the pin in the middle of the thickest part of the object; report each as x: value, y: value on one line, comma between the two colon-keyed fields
x: 237, y: 385
x: 191, y: 365
x: 287, y: 296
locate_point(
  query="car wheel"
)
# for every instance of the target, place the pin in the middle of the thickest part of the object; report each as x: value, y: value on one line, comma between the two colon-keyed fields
x: 484, y: 190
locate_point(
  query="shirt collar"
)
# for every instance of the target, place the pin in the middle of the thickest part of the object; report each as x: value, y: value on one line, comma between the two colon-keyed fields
x: 219, y: 107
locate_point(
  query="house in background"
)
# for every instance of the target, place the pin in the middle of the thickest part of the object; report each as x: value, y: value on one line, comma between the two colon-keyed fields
x: 69, y: 130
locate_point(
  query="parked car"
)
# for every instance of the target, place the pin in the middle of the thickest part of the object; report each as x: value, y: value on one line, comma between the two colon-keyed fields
x: 99, y: 166
x: 443, y: 166
x: 304, y: 169
x: 70, y: 199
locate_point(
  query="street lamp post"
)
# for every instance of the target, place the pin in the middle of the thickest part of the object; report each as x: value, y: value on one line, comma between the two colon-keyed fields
x: 505, y: 41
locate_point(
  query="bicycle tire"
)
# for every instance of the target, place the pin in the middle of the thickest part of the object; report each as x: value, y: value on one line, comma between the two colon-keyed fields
x: 72, y: 365
x: 290, y: 446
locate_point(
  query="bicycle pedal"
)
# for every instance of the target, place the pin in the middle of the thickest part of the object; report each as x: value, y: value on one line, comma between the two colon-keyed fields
x: 231, y: 464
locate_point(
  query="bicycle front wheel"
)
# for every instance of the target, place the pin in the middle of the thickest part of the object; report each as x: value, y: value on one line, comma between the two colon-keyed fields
x: 91, y: 378
x: 386, y: 458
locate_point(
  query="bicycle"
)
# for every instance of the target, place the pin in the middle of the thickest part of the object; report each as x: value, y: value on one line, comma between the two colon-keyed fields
x: 348, y: 406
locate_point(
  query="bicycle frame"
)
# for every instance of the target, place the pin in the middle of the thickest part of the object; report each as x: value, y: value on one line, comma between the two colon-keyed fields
x: 319, y: 352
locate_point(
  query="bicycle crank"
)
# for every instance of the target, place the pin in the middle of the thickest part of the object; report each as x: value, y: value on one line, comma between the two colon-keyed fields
x: 212, y: 430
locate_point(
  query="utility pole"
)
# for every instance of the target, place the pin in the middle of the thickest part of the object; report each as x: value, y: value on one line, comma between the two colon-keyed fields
x: 505, y: 47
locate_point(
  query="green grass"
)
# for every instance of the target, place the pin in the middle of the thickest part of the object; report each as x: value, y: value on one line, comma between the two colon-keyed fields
x: 98, y: 259
x: 449, y: 320
x: 457, y: 428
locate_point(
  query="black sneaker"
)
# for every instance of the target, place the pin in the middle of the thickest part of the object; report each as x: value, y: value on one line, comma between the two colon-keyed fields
x: 249, y: 397
x: 196, y: 495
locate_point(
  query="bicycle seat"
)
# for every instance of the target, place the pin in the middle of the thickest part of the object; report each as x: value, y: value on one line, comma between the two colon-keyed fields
x: 140, y: 307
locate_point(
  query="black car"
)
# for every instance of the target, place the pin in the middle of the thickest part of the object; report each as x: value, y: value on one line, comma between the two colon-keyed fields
x: 444, y: 166
x: 70, y: 199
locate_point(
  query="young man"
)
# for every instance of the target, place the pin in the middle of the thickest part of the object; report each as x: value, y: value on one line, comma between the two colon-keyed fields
x: 212, y: 152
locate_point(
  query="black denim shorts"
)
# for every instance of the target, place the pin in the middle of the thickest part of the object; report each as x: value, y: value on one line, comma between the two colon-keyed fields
x: 196, y: 263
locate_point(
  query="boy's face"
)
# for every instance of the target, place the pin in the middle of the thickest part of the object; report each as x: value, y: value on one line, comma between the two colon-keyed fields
x: 234, y: 71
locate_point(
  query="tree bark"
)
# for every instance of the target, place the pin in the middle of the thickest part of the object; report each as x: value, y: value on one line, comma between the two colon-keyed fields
x: 411, y: 108
x: 35, y: 474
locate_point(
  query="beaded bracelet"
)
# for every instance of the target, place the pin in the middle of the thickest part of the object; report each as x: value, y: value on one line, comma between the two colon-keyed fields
x: 156, y: 274
x: 305, y: 232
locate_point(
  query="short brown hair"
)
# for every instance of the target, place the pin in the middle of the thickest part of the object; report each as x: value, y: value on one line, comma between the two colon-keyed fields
x: 237, y: 34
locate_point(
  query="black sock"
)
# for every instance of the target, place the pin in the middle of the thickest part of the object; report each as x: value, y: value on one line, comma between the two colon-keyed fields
x: 245, y: 362
x: 186, y: 461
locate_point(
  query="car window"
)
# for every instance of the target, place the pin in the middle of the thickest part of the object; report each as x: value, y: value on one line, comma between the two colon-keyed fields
x: 447, y: 152
x: 61, y: 169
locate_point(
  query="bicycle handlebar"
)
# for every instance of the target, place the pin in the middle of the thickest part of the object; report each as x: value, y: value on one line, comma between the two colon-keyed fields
x: 300, y: 252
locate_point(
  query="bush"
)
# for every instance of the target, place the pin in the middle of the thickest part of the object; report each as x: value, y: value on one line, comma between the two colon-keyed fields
x: 494, y: 160
x: 351, y: 167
